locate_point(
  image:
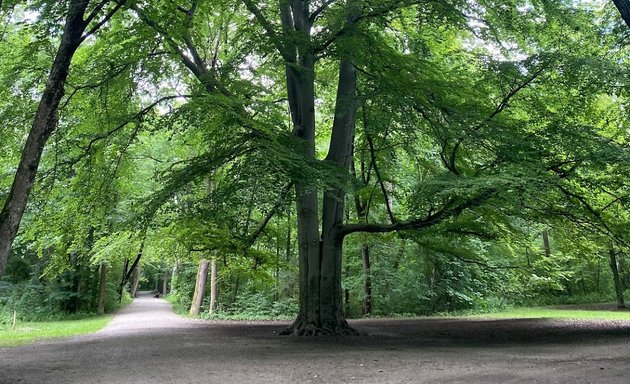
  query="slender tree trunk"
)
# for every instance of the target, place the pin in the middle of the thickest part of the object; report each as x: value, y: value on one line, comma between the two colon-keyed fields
x: 165, y: 281
x: 347, y: 293
x: 127, y: 271
x: 213, y: 286
x: 200, y: 287
x: 545, y: 236
x: 616, y: 279
x: 102, y: 289
x: 237, y: 285
x: 367, y: 283
x: 136, y: 281
x: 623, y: 271
x: 43, y: 126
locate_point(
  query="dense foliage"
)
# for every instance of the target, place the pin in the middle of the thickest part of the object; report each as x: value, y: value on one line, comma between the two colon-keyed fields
x: 489, y: 162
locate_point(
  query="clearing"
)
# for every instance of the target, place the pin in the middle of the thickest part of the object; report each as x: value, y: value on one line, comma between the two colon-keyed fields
x: 147, y: 343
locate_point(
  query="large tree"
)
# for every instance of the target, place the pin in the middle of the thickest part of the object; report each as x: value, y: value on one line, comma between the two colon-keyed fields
x: 81, y: 21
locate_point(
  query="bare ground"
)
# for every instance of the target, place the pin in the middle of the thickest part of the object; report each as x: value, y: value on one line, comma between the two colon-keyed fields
x: 147, y: 343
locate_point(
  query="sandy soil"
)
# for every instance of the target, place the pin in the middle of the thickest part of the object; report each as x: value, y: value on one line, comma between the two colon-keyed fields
x: 147, y: 343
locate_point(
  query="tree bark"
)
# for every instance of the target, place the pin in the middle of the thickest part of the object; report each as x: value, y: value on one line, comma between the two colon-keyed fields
x: 545, y: 236
x: 44, y: 123
x: 165, y: 281
x: 102, y: 289
x: 320, y: 258
x: 616, y: 280
x: 200, y: 287
x: 362, y: 209
x: 43, y: 126
x: 213, y: 286
x: 136, y: 281
x: 367, y: 283
x: 127, y: 271
x: 624, y: 9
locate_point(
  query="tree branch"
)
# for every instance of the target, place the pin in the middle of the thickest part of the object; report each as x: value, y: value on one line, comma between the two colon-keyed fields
x: 320, y: 9
x: 122, y: 125
x: 261, y: 226
x: 105, y: 19
x: 268, y: 27
x: 379, y: 178
x: 624, y: 9
x: 431, y: 219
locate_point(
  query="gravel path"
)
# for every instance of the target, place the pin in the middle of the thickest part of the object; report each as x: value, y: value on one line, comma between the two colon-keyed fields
x: 147, y: 343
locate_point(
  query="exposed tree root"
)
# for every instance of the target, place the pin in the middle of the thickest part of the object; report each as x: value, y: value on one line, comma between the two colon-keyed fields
x: 304, y: 328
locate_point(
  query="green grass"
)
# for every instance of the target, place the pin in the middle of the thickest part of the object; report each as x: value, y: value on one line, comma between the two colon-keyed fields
x: 27, y: 332
x: 546, y: 312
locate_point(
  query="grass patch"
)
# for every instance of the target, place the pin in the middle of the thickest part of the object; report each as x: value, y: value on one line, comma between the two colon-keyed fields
x: 553, y: 313
x: 27, y: 332
x: 178, y: 308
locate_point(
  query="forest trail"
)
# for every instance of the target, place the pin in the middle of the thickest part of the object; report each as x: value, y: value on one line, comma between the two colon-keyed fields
x: 146, y: 314
x: 147, y: 343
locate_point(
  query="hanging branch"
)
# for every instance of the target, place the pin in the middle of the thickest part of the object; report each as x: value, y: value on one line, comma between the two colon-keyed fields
x: 450, y: 209
x: 261, y: 226
x: 380, y: 179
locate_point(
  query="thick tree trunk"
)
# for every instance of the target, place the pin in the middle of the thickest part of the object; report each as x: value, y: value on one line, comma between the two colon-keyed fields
x: 616, y: 279
x: 43, y: 126
x: 214, y: 292
x: 320, y: 258
x: 624, y: 9
x: 102, y: 289
x: 200, y: 287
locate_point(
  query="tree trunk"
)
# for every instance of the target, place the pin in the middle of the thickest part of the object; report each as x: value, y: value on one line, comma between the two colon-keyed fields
x: 102, y: 289
x: 545, y: 236
x: 213, y: 286
x: 165, y: 281
x: 624, y: 9
x: 616, y: 279
x: 320, y: 258
x: 237, y: 285
x: 43, y: 126
x: 623, y: 271
x: 136, y: 281
x: 200, y: 287
x: 367, y: 283
x: 127, y: 270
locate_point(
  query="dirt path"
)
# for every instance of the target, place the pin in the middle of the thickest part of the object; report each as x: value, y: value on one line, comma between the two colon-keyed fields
x: 146, y: 343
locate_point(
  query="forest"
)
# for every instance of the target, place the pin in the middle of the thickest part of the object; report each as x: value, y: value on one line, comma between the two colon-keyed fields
x: 313, y: 160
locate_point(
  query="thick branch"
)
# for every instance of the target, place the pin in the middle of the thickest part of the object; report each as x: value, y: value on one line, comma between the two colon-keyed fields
x: 624, y: 9
x: 320, y: 9
x: 432, y: 219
